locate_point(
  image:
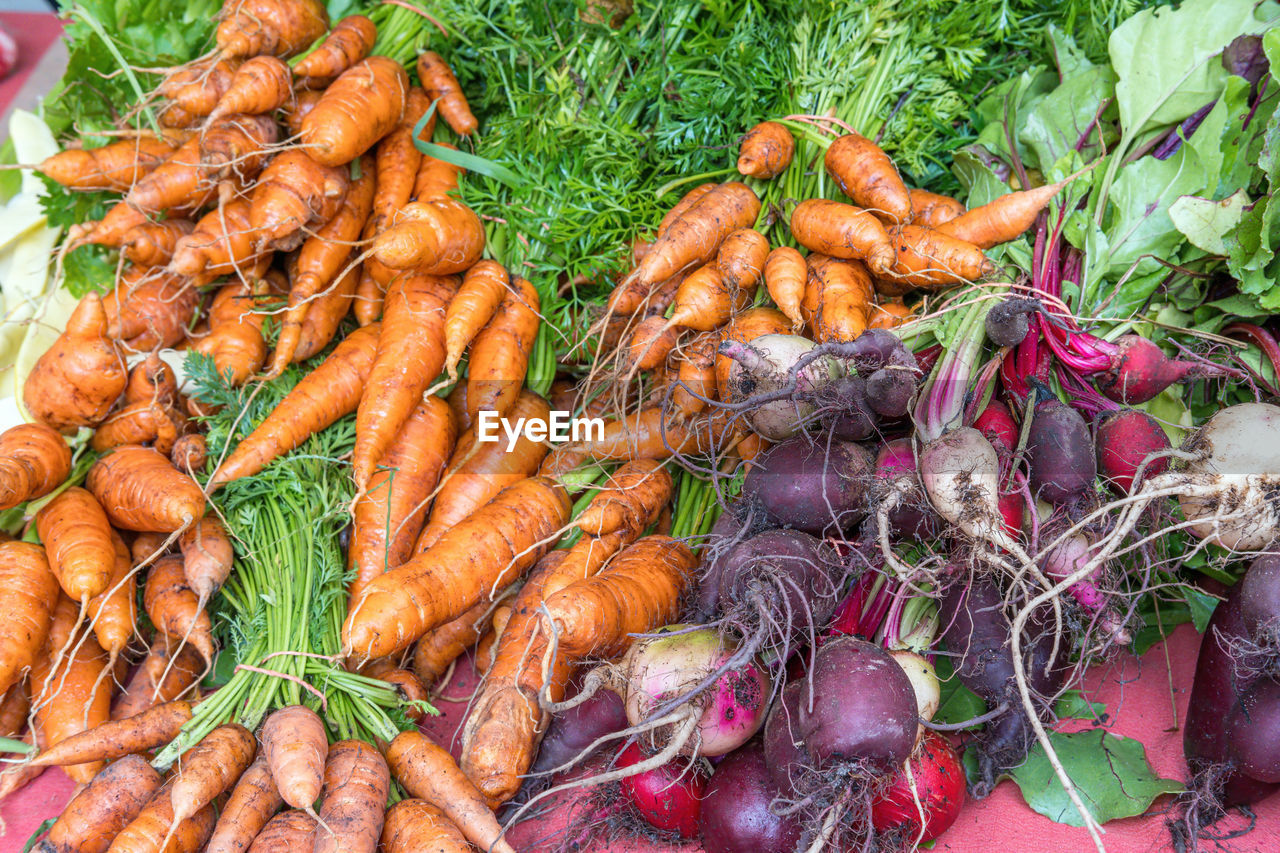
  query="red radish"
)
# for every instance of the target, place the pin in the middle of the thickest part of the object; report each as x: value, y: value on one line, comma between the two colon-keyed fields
x: 935, y: 774
x: 998, y: 427
x: 1125, y: 439
x: 668, y: 797
x: 1013, y: 509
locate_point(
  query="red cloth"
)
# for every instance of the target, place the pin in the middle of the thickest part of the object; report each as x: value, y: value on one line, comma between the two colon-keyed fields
x: 34, y: 32
x: 1137, y: 696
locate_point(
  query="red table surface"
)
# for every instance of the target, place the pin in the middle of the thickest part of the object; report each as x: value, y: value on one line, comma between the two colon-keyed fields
x: 34, y: 32
x: 1138, y: 707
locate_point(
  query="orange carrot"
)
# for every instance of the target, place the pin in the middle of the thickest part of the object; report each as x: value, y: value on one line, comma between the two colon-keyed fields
x: 630, y: 498
x: 500, y: 352
x: 294, y: 192
x: 483, y: 288
x: 478, y: 471
x: 206, y: 556
x: 197, y: 86
x: 651, y: 342
x: 110, y: 230
x: 146, y: 545
x: 747, y: 326
x: 151, y: 244
x: 489, y: 550
x: 415, y: 825
x: 326, y: 394
x: 436, y: 178
x: 180, y: 667
x: 189, y: 453
x: 678, y: 209
x: 81, y: 376
x: 287, y: 832
x: 842, y: 231
x: 211, y: 767
x: 410, y: 356
x: 867, y: 175
x: 108, y: 804
x: 369, y: 296
x: 439, y: 236
x: 295, y: 745
x: 741, y: 258
x: 442, y: 646
x: 1001, y: 220
x: 585, y: 559
x: 113, y: 613
x: 440, y: 84
x: 704, y: 301
x: 253, y: 801
x: 928, y: 258
x: 139, y: 423
x: 388, y: 516
x: 115, y: 167
x: 235, y: 341
x: 34, y: 460
x: 262, y: 84
x: 695, y: 236
x: 457, y: 400
x: 73, y: 699
x: 648, y: 434
x: 348, y: 42
x: 141, y: 490
x: 837, y: 297
x: 28, y: 593
x: 407, y: 685
x: 931, y: 209
x: 175, y: 609
x: 15, y: 705
x: 487, y: 648
x: 889, y: 315
x: 696, y: 375
x: 429, y: 773
x: 356, y: 781
x: 325, y: 315
x: 114, y: 739
x: 150, y: 309
x: 77, y: 541
x: 766, y: 151
x: 278, y: 27
x: 182, y: 181
x: 222, y: 243
x: 359, y: 108
x: 784, y: 276
x: 154, y: 830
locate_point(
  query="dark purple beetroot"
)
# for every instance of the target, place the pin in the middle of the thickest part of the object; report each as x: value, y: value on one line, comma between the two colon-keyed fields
x: 811, y: 484
x: 853, y: 419
x: 1006, y: 324
x: 1260, y: 600
x: 784, y: 751
x: 738, y: 522
x: 1253, y: 731
x: 790, y: 571
x: 1060, y: 453
x: 573, y: 730
x: 735, y: 813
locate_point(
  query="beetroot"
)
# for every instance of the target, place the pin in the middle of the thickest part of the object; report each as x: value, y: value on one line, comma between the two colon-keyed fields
x: 1124, y: 439
x: 784, y: 750
x: 1253, y: 731
x: 1060, y: 453
x: 1260, y: 601
x: 668, y: 798
x: 738, y: 522
x: 735, y: 812
x: 1140, y: 370
x: 939, y: 786
x: 911, y: 517
x: 576, y: 728
x: 811, y: 485
x: 1006, y: 324
x: 998, y: 427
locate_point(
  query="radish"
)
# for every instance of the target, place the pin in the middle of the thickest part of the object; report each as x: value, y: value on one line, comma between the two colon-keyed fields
x: 1062, y: 561
x: 1124, y: 441
x: 779, y: 385
x: 811, y: 484
x: 909, y: 514
x: 669, y: 797
x: 998, y: 427
x: 737, y: 814
x: 925, y: 797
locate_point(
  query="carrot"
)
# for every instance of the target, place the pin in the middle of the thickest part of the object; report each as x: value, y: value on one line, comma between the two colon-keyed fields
x: 413, y: 826
x: 206, y: 556
x: 139, y: 423
x: 631, y: 498
x: 363, y: 105
x: 369, y: 296
x: 440, y: 84
x: 356, y: 781
x: 146, y: 544
x: 196, y: 88
x: 152, y: 243
x: 15, y: 704
x: 487, y: 648
x: 429, y: 773
x: 237, y: 146
x: 113, y: 613
x: 407, y: 685
x: 489, y: 550
x: 705, y: 301
x: 295, y: 746
x: 931, y: 209
x: 1001, y: 220
x: 114, y: 739
x: 34, y: 460
x: 77, y: 541
x: 324, y: 316
x: 888, y: 315
x: 108, y: 804
x: 150, y: 309
x: 457, y: 400
x: 179, y: 182
x: 678, y: 209
x: 695, y: 381
x: 253, y: 801
x: 294, y: 192
x: 388, y: 516
x: 110, y: 230
x: 436, y: 178
x: 278, y: 27
x: 410, y: 355
x: 326, y: 394
x: 696, y: 235
x: 638, y: 591
x: 651, y: 342
x: 500, y: 352
x: 261, y: 85
x: 766, y: 151
x: 180, y: 667
x: 348, y: 42
x: 73, y: 699
x: 842, y: 231
x: 741, y: 258
x: 747, y: 326
x: 235, y: 341
x: 115, y: 167
x: 784, y: 276
x: 28, y: 593
x: 442, y: 646
x: 189, y: 453
x: 397, y: 162
x: 483, y: 288
x: 141, y: 490
x: 867, y: 175
x: 439, y: 236
x: 837, y: 296
x: 928, y: 258
x: 77, y: 381
x: 631, y: 297
x: 287, y: 832
x: 222, y: 243
x: 651, y: 433
x: 320, y: 259
x: 478, y: 471
x: 151, y: 380
x: 304, y: 101
x: 211, y: 767
x: 154, y: 830
x: 173, y: 607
